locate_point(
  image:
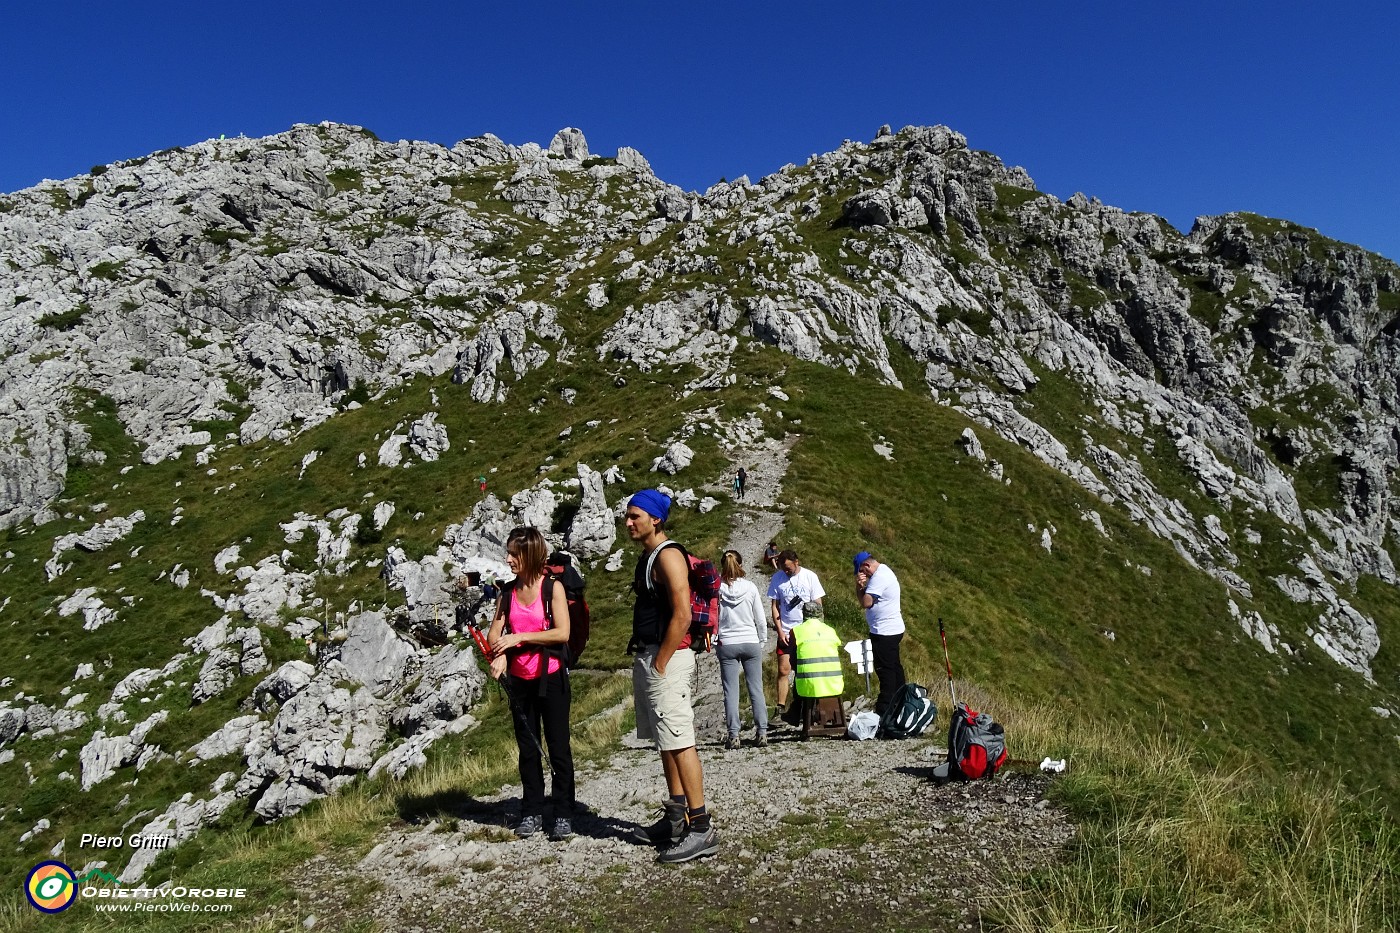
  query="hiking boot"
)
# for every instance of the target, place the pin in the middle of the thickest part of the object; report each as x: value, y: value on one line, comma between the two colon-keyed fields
x: 777, y: 721
x: 694, y: 844
x: 529, y: 824
x: 666, y: 831
x: 761, y: 741
x: 732, y: 743
x: 560, y: 829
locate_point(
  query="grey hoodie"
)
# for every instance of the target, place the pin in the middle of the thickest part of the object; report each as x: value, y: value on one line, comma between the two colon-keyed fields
x: 741, y: 617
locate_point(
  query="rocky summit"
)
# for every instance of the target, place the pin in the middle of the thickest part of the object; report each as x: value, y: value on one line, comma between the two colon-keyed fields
x: 1229, y: 388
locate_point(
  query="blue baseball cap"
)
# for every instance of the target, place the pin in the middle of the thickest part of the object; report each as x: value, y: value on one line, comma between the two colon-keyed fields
x: 861, y: 558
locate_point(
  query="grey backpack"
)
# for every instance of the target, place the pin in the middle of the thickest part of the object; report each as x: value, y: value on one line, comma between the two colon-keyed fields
x: 976, y: 744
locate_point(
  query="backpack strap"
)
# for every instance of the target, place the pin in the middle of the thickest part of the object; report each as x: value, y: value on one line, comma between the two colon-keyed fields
x: 503, y: 607
x: 547, y: 594
x: 651, y: 561
x: 562, y: 651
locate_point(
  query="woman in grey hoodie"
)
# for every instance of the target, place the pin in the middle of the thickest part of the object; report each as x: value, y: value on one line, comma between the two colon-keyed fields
x: 743, y: 635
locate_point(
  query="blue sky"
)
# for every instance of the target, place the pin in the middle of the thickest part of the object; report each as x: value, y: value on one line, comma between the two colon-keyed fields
x: 1284, y: 108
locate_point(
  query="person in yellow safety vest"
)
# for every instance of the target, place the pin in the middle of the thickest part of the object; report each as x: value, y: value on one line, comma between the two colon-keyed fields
x: 818, y: 649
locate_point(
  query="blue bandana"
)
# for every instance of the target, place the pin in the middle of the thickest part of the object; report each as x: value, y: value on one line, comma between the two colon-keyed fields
x: 655, y: 504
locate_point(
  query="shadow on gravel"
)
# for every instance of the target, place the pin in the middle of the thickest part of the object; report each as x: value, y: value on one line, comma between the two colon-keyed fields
x: 926, y: 773
x: 457, y: 805
x: 446, y: 805
x: 589, y: 823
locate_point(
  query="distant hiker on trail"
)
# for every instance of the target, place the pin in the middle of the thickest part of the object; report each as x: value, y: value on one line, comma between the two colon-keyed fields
x: 536, y: 681
x: 877, y: 591
x: 743, y: 634
x: 791, y: 587
x: 741, y: 479
x: 770, y: 557
x: 481, y: 482
x: 661, y: 674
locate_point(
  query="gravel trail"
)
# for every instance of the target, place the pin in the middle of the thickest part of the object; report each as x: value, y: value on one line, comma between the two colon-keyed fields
x: 827, y: 834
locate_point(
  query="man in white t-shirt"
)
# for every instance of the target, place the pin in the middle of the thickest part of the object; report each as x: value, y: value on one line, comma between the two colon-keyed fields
x: 790, y: 589
x: 877, y: 591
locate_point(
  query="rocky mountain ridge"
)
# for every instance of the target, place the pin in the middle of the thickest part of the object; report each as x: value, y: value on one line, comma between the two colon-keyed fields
x: 261, y: 281
x: 242, y: 292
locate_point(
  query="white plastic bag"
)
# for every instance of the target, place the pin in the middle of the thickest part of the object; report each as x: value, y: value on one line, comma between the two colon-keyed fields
x: 863, y: 726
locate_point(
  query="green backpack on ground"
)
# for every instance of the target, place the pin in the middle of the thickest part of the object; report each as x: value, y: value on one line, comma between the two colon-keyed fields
x: 909, y: 714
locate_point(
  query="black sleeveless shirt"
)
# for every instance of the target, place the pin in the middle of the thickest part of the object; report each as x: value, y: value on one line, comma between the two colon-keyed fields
x: 651, y: 613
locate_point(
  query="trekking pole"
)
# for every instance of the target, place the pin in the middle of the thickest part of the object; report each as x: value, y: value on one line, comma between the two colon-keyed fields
x: 949, y: 664
x: 520, y: 716
x: 504, y: 683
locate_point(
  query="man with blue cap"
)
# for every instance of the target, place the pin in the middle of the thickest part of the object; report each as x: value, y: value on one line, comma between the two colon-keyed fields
x: 877, y: 592
x: 661, y: 674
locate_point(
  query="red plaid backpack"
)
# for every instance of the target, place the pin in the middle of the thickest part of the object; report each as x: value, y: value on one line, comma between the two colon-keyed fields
x: 704, y: 596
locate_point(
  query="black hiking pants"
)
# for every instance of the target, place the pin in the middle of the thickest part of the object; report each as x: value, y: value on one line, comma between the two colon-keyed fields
x: 543, y: 720
x: 884, y: 650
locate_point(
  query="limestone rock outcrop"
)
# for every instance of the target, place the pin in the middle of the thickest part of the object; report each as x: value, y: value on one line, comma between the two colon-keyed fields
x: 184, y: 314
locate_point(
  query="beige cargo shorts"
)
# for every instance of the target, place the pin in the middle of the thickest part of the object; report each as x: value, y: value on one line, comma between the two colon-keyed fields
x: 665, y: 714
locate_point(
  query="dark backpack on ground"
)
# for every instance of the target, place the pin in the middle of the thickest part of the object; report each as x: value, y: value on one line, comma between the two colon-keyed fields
x: 909, y: 713
x: 560, y: 569
x: 976, y: 744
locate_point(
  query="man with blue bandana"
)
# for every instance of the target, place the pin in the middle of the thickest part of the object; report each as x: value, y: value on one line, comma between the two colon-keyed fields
x: 661, y: 674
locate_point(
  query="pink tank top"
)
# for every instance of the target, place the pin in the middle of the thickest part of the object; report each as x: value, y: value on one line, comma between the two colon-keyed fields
x: 525, y: 662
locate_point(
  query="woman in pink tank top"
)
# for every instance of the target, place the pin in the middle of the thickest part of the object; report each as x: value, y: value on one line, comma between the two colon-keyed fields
x: 526, y: 657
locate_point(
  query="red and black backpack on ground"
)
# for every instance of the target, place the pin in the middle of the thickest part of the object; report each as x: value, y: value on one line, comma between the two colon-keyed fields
x: 976, y: 744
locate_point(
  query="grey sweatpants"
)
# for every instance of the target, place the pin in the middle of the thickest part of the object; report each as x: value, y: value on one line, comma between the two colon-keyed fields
x: 731, y: 657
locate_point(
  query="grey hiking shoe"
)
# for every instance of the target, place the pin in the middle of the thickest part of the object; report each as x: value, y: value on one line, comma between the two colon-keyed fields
x: 529, y: 824
x: 761, y: 741
x: 666, y: 831
x: 732, y: 743
x: 560, y: 829
x: 694, y: 844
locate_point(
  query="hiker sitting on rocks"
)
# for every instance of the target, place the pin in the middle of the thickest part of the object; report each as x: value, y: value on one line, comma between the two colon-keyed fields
x: 536, y: 681
x: 743, y: 634
x: 770, y: 557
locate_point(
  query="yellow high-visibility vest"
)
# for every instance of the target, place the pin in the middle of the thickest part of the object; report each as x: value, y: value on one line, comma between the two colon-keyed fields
x: 818, y: 659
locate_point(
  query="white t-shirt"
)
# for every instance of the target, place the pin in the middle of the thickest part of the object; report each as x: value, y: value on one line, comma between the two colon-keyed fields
x: 884, y: 617
x: 792, y: 592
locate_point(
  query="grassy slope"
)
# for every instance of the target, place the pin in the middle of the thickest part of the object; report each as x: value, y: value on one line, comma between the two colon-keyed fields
x: 43, y: 650
x: 1033, y: 624
x: 1028, y: 623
